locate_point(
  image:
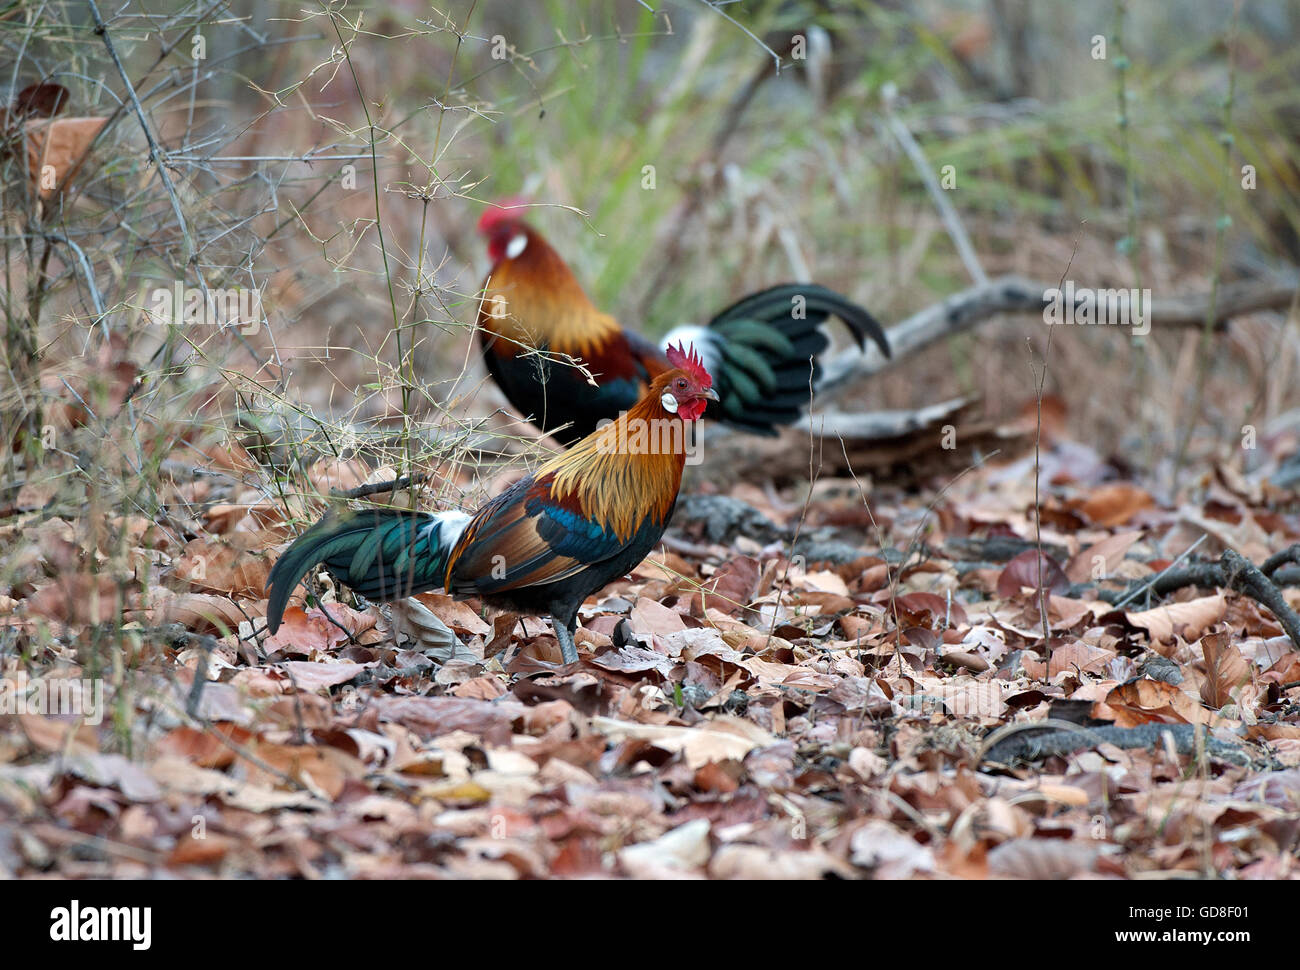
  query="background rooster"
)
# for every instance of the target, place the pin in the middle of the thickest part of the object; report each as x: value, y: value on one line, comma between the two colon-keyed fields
x: 545, y: 544
x: 763, y: 351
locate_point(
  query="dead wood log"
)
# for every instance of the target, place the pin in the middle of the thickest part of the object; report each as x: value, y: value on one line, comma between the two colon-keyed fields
x: 1027, y: 743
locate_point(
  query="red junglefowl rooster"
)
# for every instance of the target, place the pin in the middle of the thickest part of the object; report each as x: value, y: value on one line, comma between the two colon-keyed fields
x: 762, y: 351
x: 545, y: 544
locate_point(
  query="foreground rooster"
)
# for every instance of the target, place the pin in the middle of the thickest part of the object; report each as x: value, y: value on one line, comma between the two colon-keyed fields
x: 763, y: 351
x: 545, y: 544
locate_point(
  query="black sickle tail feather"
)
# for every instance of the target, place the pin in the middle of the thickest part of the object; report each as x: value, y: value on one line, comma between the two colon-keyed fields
x: 382, y: 554
x: 763, y: 345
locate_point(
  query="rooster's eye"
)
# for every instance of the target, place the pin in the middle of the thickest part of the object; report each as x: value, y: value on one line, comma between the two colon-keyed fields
x: 681, y: 383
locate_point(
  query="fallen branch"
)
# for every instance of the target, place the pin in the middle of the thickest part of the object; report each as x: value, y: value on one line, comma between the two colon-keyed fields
x: 1035, y: 742
x: 1014, y: 294
x: 885, y: 424
x: 1233, y: 571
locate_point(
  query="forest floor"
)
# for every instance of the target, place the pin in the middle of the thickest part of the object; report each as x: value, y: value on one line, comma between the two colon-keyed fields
x: 738, y: 711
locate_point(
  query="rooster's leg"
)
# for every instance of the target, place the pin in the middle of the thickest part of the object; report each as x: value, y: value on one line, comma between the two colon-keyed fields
x: 567, y: 647
x: 565, y: 622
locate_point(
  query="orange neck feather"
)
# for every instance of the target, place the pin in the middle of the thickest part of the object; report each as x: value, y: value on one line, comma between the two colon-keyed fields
x: 534, y: 299
x: 628, y: 470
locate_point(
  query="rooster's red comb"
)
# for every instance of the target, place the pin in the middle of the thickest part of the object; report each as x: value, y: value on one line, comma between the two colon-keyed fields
x: 688, y: 360
x: 503, y: 212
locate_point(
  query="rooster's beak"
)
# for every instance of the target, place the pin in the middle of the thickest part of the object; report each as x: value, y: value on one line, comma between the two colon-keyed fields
x: 710, y: 394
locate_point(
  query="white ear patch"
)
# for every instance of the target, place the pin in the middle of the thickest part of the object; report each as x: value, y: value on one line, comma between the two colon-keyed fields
x: 516, y: 245
x: 669, y: 402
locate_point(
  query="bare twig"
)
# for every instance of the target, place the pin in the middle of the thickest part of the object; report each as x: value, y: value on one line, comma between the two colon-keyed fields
x: 155, y: 153
x: 375, y: 488
x: 1154, y: 583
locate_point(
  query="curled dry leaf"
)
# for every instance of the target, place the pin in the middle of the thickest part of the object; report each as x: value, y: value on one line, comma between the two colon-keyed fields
x: 1225, y: 669
x: 1144, y: 700
x: 823, y: 582
x: 413, y: 619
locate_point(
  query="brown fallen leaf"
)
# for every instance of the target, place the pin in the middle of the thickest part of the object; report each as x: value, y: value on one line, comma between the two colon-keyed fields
x: 199, y: 612
x: 1144, y: 700
x: 1076, y: 656
x: 430, y: 717
x: 322, y: 770
x: 1115, y: 503
x: 44, y: 100
x: 307, y: 631
x: 52, y: 735
x: 56, y: 150
x: 312, y: 676
x: 191, y: 851
x: 235, y: 566
x: 1042, y: 858
x: 929, y: 610
x: 730, y: 588
x: 1101, y: 559
x: 202, y: 747
x: 459, y: 616
x: 77, y: 598
x: 651, y: 617
x: 1189, y: 619
x: 1225, y: 669
x: 1029, y: 570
